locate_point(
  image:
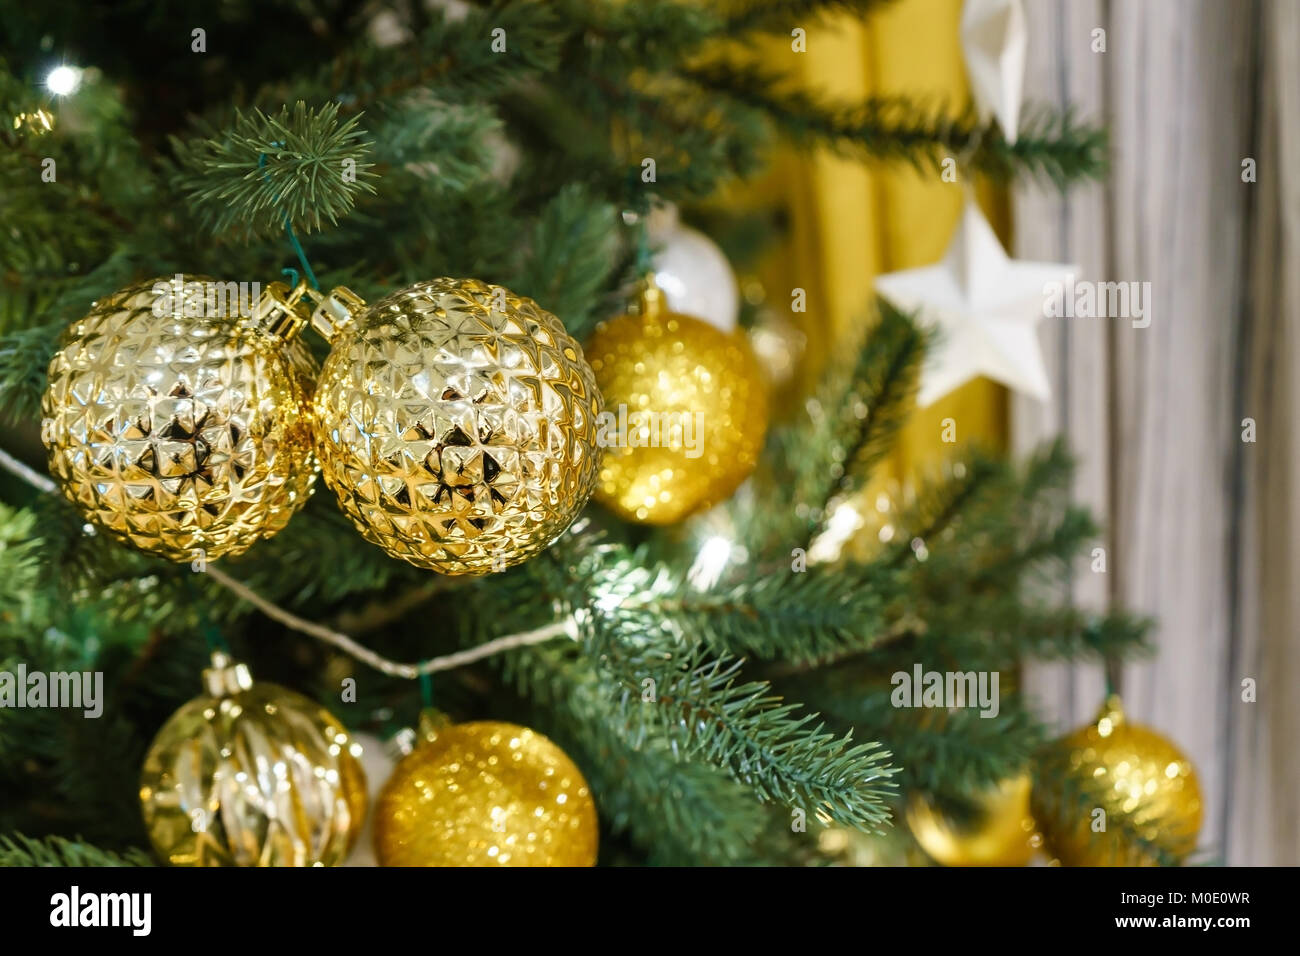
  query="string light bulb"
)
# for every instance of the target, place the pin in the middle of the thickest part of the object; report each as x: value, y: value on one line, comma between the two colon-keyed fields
x: 710, y: 562
x: 63, y: 80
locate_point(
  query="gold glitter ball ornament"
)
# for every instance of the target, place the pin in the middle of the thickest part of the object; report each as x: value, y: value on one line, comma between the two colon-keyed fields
x: 456, y: 423
x: 485, y: 794
x: 999, y: 831
x: 252, y: 775
x: 177, y: 424
x: 685, y: 413
x: 1123, y: 769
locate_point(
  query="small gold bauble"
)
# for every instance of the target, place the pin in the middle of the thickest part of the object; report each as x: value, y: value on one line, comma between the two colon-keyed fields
x: 456, y: 422
x: 685, y: 413
x: 177, y: 426
x: 1120, y: 768
x: 252, y: 775
x: 999, y: 831
x: 485, y: 794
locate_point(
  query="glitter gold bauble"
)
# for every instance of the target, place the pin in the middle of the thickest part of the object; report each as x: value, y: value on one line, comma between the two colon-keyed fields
x: 685, y: 413
x: 177, y: 425
x: 998, y: 831
x: 456, y: 423
x: 485, y: 794
x: 252, y: 774
x: 1125, y: 770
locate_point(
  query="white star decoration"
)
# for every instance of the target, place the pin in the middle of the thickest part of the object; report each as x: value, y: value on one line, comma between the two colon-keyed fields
x: 986, y: 308
x: 995, y: 43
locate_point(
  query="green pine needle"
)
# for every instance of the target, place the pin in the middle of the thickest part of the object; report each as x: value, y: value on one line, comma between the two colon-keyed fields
x: 315, y: 167
x: 19, y: 850
x: 1051, y: 145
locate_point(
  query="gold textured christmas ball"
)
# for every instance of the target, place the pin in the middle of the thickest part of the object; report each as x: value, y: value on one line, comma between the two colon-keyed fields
x: 999, y: 831
x: 177, y: 425
x: 456, y: 422
x: 1125, y: 770
x: 485, y: 794
x: 685, y: 413
x: 252, y: 775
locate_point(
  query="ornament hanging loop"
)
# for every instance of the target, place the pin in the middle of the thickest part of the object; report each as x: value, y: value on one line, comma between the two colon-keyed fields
x: 334, y: 310
x: 281, y: 312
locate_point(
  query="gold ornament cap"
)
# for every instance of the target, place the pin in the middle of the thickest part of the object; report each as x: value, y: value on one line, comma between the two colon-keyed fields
x: 433, y: 723
x: 651, y: 300
x: 281, y: 312
x: 227, y: 676
x: 1110, y: 716
x: 334, y: 309
x: 401, y: 743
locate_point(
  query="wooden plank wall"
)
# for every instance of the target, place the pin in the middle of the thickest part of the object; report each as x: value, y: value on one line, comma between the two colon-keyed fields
x: 1201, y: 527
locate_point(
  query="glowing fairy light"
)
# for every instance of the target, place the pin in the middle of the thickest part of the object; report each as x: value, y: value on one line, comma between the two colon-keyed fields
x: 840, y: 527
x: 713, y: 557
x: 63, y: 80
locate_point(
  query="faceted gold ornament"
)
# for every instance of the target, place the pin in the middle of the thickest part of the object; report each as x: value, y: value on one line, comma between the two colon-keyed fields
x: 485, y: 794
x: 685, y: 413
x: 999, y: 832
x: 252, y: 775
x: 1121, y: 768
x: 177, y: 425
x: 456, y: 423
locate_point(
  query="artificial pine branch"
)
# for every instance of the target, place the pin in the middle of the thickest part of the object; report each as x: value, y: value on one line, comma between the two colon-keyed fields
x: 319, y: 559
x: 20, y: 850
x: 24, y: 356
x: 702, y: 709
x: 1050, y: 145
x: 264, y: 168
x: 570, y: 256
x: 778, y: 613
x: 450, y: 145
x: 862, y: 402
x: 939, y: 751
x: 677, y: 811
x: 453, y: 59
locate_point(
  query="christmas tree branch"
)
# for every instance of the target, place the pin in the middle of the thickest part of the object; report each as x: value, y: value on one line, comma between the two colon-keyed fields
x: 701, y: 707
x: 19, y: 850
x: 678, y: 692
x: 677, y: 810
x: 24, y: 357
x: 456, y: 60
x: 1050, y: 145
x: 859, y: 407
x: 570, y: 257
x: 302, y: 166
x: 940, y: 750
x: 777, y: 614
